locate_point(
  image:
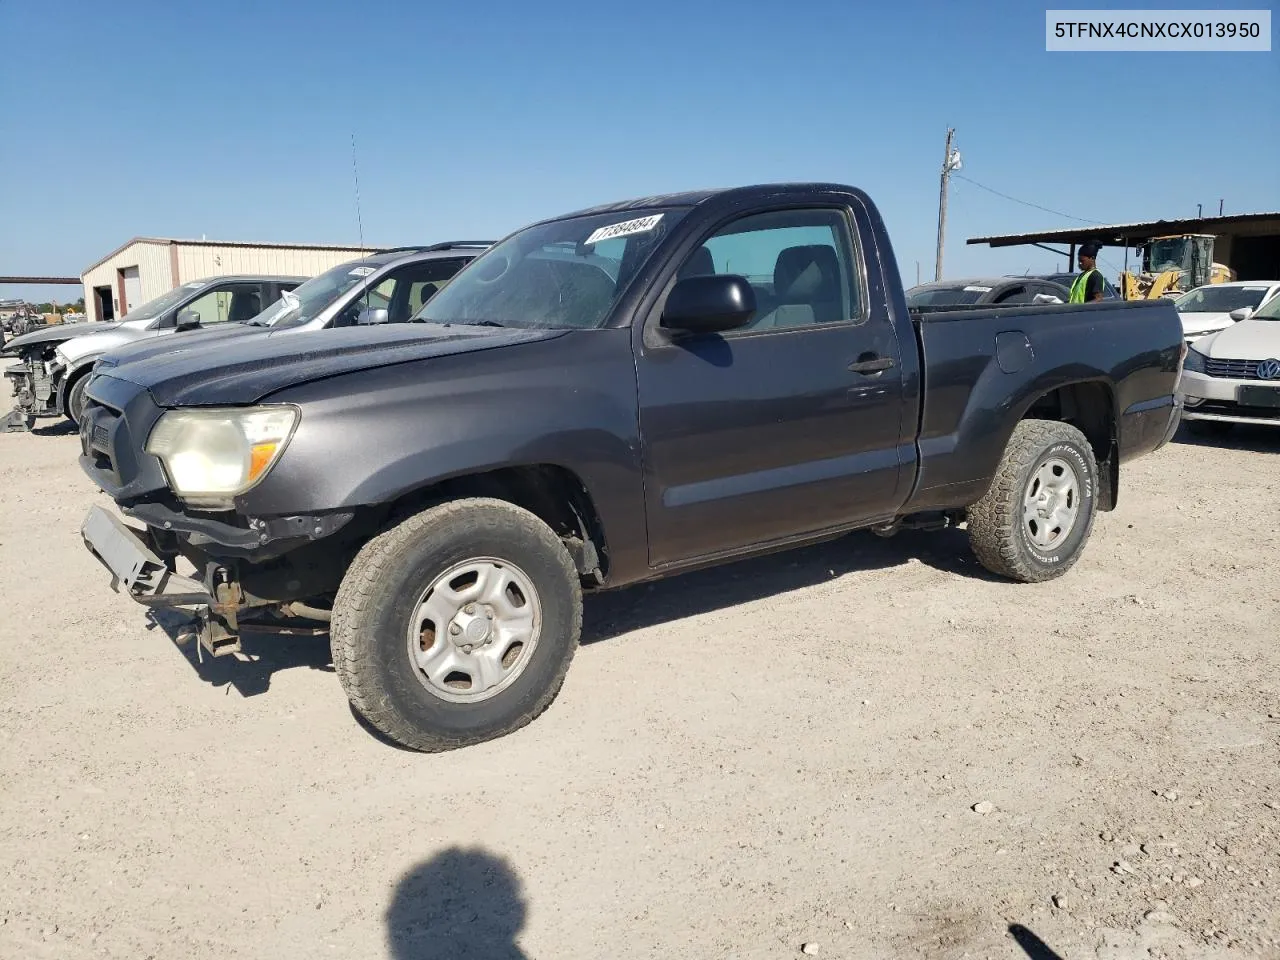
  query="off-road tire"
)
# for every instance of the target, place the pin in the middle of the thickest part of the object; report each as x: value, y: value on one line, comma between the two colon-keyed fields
x: 997, y: 533
x: 1216, y: 429
x: 75, y: 399
x: 371, y: 612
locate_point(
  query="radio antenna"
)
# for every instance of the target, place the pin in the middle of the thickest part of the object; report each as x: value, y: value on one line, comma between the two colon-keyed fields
x: 355, y: 175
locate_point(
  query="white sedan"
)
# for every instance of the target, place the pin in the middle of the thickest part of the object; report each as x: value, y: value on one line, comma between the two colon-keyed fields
x: 1233, y: 376
x: 1216, y: 306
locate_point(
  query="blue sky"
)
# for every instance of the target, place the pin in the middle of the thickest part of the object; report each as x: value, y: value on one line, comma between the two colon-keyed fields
x: 148, y: 118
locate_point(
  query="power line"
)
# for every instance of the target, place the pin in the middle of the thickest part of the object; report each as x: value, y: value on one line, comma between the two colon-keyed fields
x: 1025, y: 203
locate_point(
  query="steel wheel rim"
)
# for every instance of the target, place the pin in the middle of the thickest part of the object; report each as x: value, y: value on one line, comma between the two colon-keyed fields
x: 1051, y: 503
x: 474, y: 630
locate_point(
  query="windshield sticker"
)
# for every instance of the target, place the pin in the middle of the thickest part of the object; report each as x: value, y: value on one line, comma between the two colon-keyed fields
x: 977, y: 289
x: 624, y: 229
x: 361, y: 272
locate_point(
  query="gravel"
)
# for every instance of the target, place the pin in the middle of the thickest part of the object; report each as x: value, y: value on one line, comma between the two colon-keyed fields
x: 225, y: 799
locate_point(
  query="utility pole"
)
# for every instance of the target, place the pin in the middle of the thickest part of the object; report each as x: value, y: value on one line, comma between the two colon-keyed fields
x: 950, y: 161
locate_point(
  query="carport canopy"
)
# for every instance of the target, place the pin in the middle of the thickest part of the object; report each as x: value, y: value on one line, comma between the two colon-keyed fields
x: 1127, y: 235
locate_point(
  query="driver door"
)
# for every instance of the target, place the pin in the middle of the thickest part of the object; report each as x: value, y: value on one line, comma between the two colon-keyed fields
x: 787, y: 426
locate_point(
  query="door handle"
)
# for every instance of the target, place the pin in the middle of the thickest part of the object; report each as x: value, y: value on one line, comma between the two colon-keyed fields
x: 875, y: 365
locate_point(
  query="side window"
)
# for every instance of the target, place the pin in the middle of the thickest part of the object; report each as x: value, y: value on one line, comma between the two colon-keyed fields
x: 375, y: 298
x: 799, y: 262
x: 1023, y: 293
x: 423, y: 286
x: 234, y: 302
x: 416, y: 284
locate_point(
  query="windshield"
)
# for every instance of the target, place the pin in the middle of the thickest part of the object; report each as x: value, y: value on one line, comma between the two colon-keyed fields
x: 306, y: 301
x: 1165, y: 255
x: 566, y: 274
x: 1270, y: 310
x: 945, y: 296
x: 1218, y: 299
x: 153, y: 308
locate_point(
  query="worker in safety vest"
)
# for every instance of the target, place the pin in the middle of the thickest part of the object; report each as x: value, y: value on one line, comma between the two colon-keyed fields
x: 1087, y: 286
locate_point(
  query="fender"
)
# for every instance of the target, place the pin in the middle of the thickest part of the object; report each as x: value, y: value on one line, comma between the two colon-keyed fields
x: 65, y: 377
x: 371, y: 437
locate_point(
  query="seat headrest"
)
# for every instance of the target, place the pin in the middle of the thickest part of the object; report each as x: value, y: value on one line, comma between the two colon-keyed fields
x: 245, y: 307
x: 699, y: 264
x: 803, y: 273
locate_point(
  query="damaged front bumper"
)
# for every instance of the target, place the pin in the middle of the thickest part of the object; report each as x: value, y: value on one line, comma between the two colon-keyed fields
x: 35, y: 391
x: 143, y: 564
x: 132, y: 563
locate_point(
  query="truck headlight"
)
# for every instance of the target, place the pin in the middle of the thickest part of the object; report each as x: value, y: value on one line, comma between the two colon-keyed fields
x: 212, y: 455
x: 1195, y: 362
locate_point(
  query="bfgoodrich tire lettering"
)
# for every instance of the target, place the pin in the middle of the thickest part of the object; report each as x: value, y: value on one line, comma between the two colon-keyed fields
x: 380, y: 594
x: 1049, y: 474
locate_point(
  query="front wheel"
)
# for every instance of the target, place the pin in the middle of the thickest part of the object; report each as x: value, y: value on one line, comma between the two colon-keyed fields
x: 1033, y: 522
x: 75, y: 399
x: 457, y: 625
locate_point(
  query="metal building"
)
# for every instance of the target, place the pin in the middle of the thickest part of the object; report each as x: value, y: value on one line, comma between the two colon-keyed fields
x: 146, y: 267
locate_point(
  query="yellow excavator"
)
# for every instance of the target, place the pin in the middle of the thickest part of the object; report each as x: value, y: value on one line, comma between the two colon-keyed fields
x: 1173, y: 265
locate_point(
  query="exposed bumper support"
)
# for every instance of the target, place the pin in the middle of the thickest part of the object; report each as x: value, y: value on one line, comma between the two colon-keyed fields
x: 18, y: 421
x: 146, y: 577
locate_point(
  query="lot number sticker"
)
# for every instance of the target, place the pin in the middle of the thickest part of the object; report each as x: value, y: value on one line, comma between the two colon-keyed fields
x: 625, y: 229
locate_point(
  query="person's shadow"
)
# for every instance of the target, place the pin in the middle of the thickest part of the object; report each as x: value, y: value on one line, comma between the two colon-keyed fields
x: 459, y: 904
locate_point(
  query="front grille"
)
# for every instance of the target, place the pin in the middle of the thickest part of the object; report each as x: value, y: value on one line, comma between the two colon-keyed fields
x: 1226, y: 408
x: 95, y: 433
x: 1232, y: 369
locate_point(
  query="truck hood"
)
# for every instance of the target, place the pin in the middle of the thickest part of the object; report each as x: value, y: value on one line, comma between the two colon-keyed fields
x: 246, y: 369
x: 55, y: 333
x: 1246, y: 340
x: 186, y: 341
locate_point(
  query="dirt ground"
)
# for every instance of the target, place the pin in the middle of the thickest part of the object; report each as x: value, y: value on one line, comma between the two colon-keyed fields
x: 780, y: 753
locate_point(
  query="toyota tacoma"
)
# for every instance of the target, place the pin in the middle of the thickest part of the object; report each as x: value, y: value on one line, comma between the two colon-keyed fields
x: 600, y: 399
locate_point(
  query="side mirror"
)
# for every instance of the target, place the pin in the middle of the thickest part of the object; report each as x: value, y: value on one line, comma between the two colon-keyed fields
x: 187, y: 320
x: 372, y: 315
x: 1244, y: 313
x: 709, y: 304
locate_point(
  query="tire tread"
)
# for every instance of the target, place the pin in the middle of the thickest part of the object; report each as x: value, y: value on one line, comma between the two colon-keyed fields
x: 994, y: 529
x: 353, y: 649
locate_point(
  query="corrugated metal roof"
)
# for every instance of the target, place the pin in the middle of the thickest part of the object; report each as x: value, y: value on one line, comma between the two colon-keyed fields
x: 174, y: 241
x: 1117, y: 234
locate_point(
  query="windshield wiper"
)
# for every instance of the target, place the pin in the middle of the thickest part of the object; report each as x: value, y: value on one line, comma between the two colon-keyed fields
x: 466, y: 323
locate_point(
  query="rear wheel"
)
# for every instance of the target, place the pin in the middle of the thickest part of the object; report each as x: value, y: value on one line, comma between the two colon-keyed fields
x: 1033, y: 522
x: 458, y: 625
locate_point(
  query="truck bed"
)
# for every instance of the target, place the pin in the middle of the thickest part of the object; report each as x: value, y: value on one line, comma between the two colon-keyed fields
x: 982, y: 370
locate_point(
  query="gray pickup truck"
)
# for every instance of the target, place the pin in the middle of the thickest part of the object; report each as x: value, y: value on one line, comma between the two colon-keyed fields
x: 600, y: 399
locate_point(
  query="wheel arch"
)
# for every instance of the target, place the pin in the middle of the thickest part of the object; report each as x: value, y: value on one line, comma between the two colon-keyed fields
x: 70, y: 378
x: 1089, y: 406
x: 553, y: 493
